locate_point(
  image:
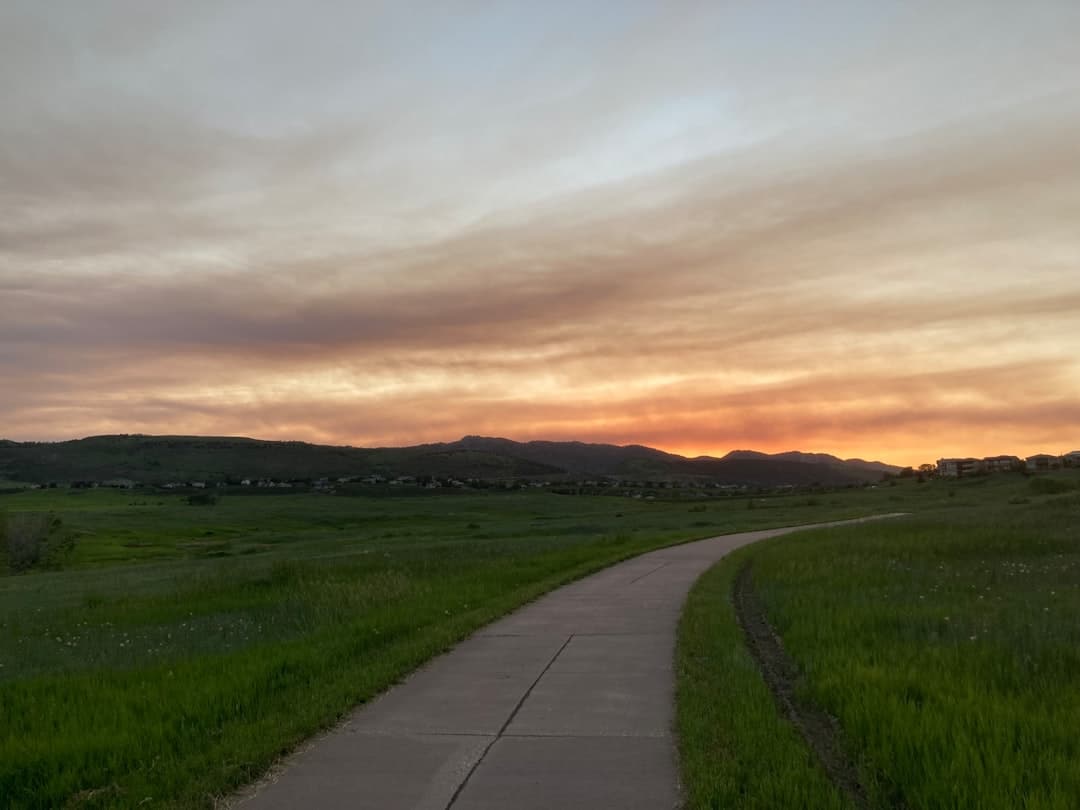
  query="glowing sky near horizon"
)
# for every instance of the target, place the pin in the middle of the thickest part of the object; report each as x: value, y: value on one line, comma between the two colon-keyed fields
x: 850, y: 227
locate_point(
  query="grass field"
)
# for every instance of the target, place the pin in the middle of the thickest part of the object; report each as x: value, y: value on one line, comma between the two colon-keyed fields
x: 176, y: 650
x: 946, y: 644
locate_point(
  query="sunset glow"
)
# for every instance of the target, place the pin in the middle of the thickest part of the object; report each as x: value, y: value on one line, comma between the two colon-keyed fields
x: 694, y: 226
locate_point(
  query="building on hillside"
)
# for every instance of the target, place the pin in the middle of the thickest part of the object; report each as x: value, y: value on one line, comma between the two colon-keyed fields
x: 1042, y: 461
x: 1071, y: 459
x: 959, y: 467
x: 1002, y: 463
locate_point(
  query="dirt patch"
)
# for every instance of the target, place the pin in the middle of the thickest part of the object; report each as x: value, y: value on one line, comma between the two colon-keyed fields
x: 821, y: 731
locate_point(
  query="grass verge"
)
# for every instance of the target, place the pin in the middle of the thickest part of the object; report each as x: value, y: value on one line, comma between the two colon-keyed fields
x: 735, y: 748
x: 947, y: 645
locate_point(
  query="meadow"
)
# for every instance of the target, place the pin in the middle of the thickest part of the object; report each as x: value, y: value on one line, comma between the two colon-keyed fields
x: 945, y: 644
x: 162, y: 654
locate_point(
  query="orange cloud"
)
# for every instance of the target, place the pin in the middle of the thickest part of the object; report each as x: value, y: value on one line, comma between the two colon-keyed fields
x: 902, y: 288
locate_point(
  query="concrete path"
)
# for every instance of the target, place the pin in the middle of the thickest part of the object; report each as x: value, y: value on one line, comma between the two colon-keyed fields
x: 567, y: 703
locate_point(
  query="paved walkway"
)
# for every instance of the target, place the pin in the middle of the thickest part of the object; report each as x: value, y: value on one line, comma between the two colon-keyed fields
x: 567, y: 703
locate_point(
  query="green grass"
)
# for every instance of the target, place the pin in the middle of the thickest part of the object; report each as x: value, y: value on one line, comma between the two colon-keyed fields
x: 177, y: 650
x: 947, y: 644
x: 735, y: 749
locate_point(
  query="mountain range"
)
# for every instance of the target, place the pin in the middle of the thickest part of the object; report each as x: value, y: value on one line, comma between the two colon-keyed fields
x: 162, y: 459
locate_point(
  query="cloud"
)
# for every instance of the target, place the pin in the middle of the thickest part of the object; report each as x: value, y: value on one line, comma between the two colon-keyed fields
x: 533, y: 224
x: 918, y: 416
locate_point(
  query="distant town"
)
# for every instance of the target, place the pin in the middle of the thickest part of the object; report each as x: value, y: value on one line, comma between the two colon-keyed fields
x: 1040, y: 462
x: 204, y: 467
x: 944, y: 468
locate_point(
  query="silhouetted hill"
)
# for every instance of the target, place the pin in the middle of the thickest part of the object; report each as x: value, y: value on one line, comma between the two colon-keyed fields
x: 876, y: 468
x: 580, y: 458
x: 160, y: 459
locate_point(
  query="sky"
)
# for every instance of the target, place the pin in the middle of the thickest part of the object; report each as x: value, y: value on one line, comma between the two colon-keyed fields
x: 848, y: 227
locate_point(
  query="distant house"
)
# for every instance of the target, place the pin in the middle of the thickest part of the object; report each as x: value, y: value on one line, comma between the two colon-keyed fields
x: 119, y: 483
x: 1002, y: 463
x: 1071, y: 459
x: 1042, y: 461
x: 959, y: 467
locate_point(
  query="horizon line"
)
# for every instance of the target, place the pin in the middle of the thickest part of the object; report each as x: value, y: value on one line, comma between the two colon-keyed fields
x: 482, y: 436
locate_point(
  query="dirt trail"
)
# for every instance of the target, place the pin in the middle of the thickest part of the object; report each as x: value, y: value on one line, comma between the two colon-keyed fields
x: 820, y: 731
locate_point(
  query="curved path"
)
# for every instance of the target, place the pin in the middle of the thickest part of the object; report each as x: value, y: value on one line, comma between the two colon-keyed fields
x: 567, y: 703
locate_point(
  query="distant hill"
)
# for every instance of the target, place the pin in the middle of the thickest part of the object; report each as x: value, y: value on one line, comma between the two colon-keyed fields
x: 161, y: 459
x: 878, y: 468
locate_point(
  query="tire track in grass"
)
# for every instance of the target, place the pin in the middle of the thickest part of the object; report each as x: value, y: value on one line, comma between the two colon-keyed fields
x: 818, y: 729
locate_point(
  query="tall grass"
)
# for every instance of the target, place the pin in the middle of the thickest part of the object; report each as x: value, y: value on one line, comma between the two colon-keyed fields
x: 947, y: 645
x: 736, y: 751
x: 179, y: 732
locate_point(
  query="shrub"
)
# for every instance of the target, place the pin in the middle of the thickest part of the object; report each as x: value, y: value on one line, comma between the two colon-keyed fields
x: 202, y: 499
x: 25, y: 538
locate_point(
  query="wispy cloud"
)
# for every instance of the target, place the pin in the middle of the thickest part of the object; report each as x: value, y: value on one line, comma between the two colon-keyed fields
x: 370, y: 227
